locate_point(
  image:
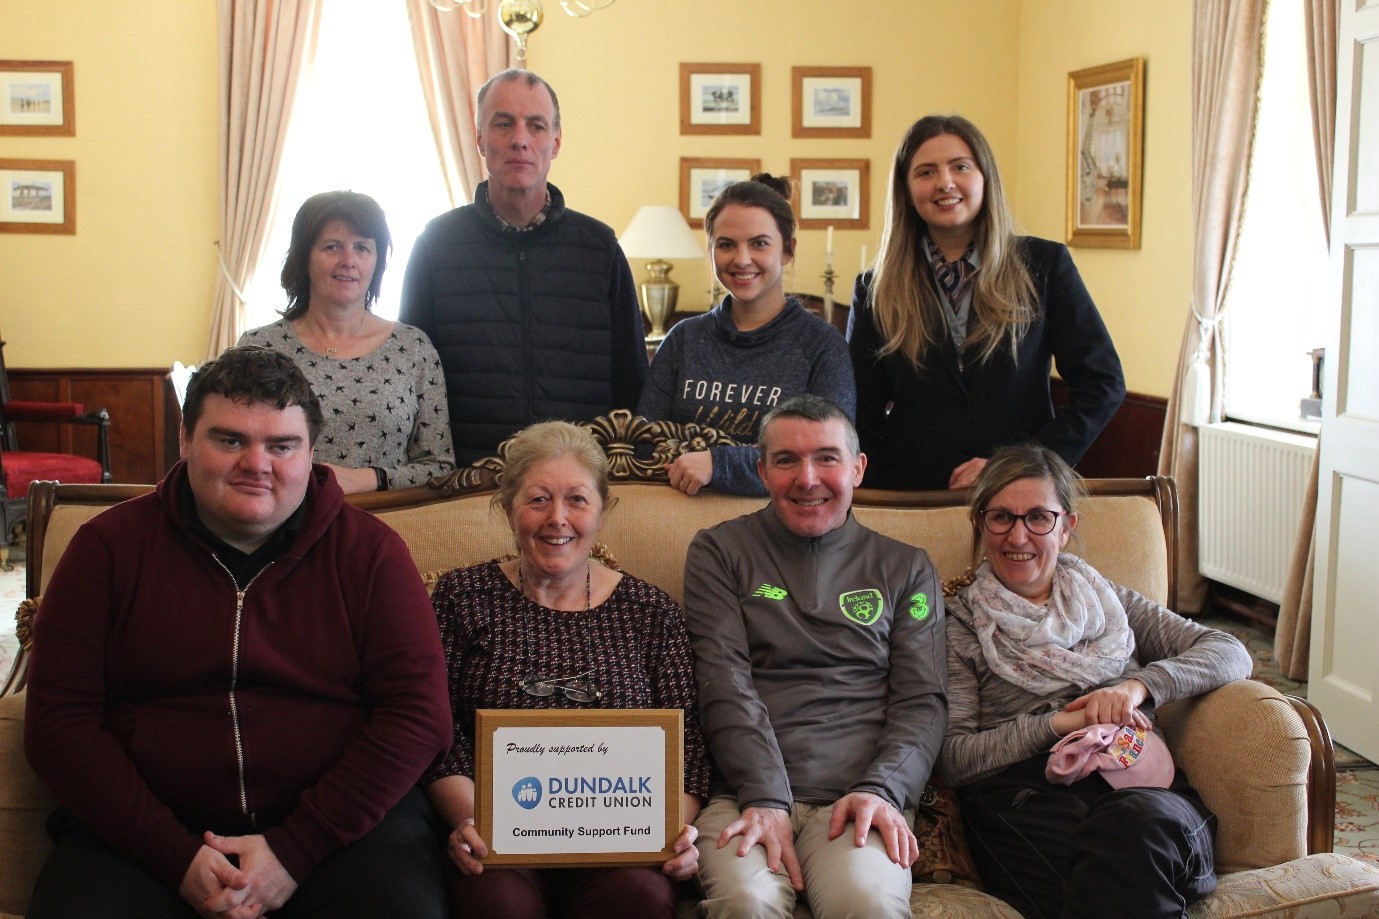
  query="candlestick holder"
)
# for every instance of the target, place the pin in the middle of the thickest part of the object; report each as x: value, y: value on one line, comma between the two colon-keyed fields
x: 829, y: 276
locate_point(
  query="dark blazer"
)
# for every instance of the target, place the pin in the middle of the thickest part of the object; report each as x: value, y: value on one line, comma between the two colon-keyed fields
x: 942, y: 416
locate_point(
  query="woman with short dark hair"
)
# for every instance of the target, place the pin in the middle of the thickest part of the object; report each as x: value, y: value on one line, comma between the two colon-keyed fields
x: 379, y: 382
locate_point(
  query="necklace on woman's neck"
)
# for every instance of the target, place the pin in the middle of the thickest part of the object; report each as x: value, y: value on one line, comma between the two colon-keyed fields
x: 588, y: 584
x: 332, y: 352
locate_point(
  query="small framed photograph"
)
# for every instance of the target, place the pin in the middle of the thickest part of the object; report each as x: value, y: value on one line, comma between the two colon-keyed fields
x: 1106, y: 155
x: 720, y: 98
x: 832, y: 193
x: 701, y: 179
x: 830, y: 101
x: 38, y: 196
x: 36, y: 99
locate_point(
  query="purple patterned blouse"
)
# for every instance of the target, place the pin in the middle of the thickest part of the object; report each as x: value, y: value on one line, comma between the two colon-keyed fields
x: 494, y: 638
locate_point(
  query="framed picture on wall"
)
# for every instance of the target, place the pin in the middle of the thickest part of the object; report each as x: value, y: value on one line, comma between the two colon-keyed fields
x: 720, y: 98
x: 38, y: 196
x: 1106, y: 155
x: 830, y: 101
x: 832, y: 193
x: 701, y: 179
x: 36, y: 99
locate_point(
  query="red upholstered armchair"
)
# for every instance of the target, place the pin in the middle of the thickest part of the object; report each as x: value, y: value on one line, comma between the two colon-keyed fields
x: 20, y: 467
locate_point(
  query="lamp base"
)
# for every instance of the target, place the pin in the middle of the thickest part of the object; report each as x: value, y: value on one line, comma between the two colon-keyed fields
x: 659, y: 296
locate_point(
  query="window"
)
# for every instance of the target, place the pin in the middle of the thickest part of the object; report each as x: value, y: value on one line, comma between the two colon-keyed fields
x: 1276, y: 305
x: 360, y: 124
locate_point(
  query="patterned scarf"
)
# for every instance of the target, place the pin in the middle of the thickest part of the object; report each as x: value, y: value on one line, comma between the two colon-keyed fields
x: 1079, y: 639
x: 955, y: 279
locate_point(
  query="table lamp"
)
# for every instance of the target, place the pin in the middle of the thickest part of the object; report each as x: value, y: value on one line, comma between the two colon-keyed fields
x: 659, y: 232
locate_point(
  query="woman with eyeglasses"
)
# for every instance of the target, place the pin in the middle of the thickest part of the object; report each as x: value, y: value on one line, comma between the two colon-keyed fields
x: 1041, y: 647
x: 553, y: 628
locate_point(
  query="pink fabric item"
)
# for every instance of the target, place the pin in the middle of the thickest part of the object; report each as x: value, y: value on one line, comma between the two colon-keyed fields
x: 1126, y: 757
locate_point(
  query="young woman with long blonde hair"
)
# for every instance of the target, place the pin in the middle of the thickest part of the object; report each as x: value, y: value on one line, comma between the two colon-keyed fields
x: 954, y: 331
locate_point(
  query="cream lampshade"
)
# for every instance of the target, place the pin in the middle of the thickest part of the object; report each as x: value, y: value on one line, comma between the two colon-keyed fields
x: 659, y: 232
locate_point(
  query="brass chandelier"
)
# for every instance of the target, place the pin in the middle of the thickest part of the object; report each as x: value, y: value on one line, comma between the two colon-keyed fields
x: 520, y: 18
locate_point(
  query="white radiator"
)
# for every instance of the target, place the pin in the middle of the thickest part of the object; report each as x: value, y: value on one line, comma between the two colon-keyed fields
x: 1250, y: 487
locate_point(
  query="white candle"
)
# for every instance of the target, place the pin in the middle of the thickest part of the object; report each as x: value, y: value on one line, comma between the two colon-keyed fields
x: 828, y: 244
x: 864, y: 256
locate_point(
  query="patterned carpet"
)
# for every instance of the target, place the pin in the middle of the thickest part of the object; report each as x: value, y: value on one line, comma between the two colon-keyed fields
x: 1357, y: 780
x: 11, y: 593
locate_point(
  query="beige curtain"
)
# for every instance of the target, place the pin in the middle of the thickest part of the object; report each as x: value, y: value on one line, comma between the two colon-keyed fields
x: 266, y: 47
x: 1291, y: 639
x: 456, y: 54
x: 1321, y: 80
x: 1226, y: 54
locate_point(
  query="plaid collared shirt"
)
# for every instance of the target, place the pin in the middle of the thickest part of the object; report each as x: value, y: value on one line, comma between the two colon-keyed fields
x: 510, y: 228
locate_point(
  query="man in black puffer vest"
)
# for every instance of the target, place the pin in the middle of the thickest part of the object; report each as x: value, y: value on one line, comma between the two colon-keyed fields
x: 531, y: 306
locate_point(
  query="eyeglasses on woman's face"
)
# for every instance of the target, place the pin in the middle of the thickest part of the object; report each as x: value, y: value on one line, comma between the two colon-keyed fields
x: 577, y: 688
x: 1039, y: 521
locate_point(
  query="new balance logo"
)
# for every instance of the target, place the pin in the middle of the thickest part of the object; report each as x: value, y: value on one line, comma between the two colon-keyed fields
x: 770, y: 592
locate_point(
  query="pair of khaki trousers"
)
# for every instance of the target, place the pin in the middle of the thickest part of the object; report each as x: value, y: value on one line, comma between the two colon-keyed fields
x: 840, y: 879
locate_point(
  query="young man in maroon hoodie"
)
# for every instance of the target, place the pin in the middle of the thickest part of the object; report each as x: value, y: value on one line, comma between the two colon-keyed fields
x: 236, y: 682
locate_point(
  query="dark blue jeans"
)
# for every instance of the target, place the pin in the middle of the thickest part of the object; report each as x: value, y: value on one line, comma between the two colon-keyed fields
x: 1087, y: 850
x: 394, y: 870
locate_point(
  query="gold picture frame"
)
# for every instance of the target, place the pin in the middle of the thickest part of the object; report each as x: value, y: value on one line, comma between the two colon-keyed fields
x: 830, y: 102
x: 579, y: 759
x: 1106, y: 155
x: 720, y: 98
x: 702, y: 178
x: 38, y: 196
x: 36, y: 99
x: 832, y: 193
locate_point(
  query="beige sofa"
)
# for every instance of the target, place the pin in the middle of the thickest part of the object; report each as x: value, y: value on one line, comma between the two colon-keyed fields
x: 1261, y: 760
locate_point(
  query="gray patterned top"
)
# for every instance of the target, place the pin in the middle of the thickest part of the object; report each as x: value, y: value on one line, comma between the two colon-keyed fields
x: 385, y: 409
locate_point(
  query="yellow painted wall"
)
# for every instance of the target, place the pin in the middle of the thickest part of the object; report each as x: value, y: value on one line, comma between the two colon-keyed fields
x: 133, y: 287
x: 1143, y: 294
x: 617, y: 73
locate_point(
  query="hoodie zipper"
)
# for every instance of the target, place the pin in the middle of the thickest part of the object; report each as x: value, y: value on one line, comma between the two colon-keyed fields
x: 234, y: 686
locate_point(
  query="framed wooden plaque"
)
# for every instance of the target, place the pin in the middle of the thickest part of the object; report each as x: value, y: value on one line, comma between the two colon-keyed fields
x: 569, y: 789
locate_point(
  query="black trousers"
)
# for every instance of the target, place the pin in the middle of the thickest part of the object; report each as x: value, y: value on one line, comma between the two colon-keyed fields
x: 1088, y: 850
x: 397, y: 869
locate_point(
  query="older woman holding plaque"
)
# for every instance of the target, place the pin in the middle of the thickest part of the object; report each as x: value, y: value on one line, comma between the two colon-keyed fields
x: 554, y: 629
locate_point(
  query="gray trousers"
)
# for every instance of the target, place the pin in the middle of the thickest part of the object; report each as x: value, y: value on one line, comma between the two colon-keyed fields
x: 840, y: 879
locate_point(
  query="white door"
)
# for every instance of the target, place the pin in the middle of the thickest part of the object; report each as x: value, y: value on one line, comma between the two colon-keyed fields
x: 1344, y: 666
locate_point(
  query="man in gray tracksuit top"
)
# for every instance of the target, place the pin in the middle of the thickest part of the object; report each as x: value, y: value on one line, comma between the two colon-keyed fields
x: 820, y: 657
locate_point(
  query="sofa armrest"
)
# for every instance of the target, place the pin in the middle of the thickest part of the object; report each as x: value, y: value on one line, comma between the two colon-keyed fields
x: 1249, y: 754
x: 24, y: 807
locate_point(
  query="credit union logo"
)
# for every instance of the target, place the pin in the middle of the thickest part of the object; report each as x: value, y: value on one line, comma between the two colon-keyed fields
x: 527, y: 792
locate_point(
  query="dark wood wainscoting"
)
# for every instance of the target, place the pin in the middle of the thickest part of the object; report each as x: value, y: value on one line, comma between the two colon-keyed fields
x: 1129, y: 447
x: 143, y: 423
x: 136, y: 400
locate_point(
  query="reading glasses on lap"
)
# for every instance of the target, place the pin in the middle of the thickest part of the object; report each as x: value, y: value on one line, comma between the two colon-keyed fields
x: 577, y: 688
x: 1039, y: 522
